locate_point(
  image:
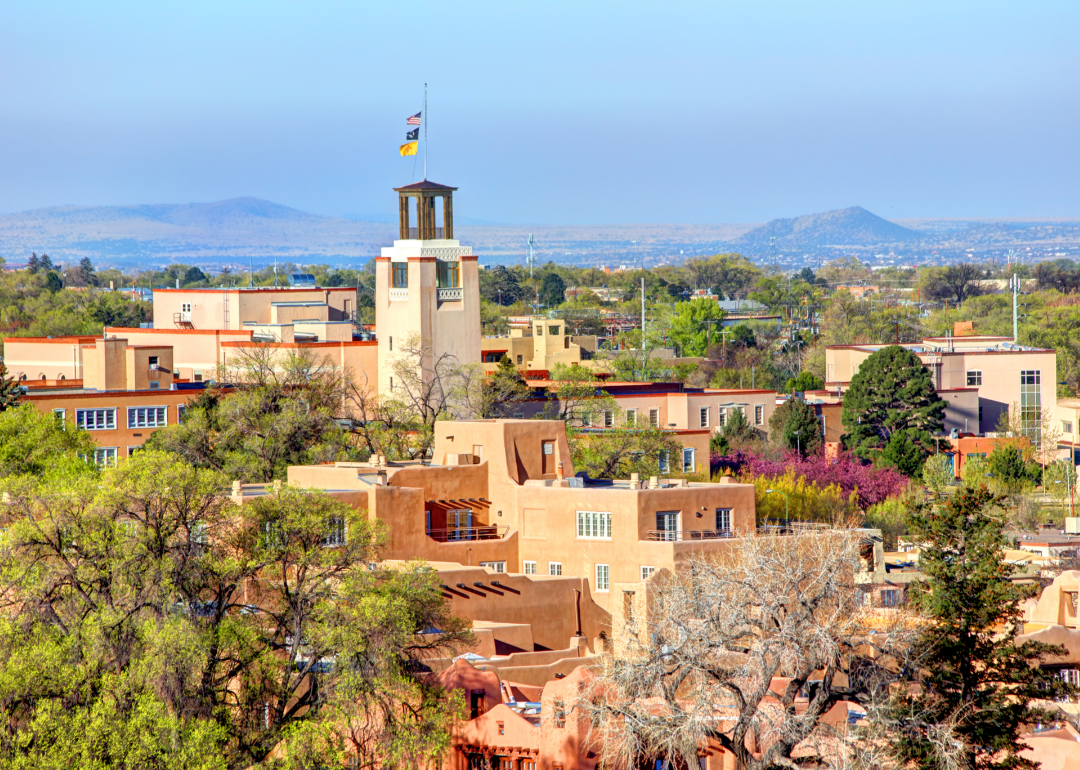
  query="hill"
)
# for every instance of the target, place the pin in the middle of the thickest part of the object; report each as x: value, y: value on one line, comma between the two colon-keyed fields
x: 850, y: 227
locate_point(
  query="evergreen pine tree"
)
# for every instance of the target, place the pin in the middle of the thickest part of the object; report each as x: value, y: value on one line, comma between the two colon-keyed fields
x: 903, y: 454
x: 33, y: 264
x: 53, y: 282
x: 976, y: 684
x: 892, y: 392
x: 10, y: 390
x: 796, y: 425
x: 45, y: 263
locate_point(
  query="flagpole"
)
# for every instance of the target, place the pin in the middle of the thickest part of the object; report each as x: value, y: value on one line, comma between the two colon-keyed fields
x: 425, y: 132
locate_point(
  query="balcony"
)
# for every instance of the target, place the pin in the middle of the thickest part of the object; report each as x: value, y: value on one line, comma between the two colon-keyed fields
x: 450, y: 294
x: 460, y: 534
x: 399, y: 295
x: 673, y: 536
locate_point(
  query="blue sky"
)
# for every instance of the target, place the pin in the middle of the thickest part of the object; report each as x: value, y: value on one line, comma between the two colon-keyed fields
x: 553, y: 112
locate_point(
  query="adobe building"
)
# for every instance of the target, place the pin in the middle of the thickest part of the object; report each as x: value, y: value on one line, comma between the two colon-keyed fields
x: 537, y: 344
x: 427, y: 286
x: 502, y: 494
x: 1001, y: 373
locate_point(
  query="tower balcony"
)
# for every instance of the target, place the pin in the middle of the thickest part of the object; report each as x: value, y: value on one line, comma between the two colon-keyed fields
x: 450, y: 294
x: 436, y: 234
x: 399, y: 295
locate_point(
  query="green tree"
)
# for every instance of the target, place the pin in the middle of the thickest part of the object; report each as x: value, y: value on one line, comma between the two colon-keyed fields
x: 694, y: 324
x: 503, y: 392
x: 1010, y: 471
x: 138, y: 642
x: 795, y: 425
x: 937, y: 473
x: 973, y: 472
x: 902, y: 453
x: 976, y: 684
x: 552, y: 290
x: 500, y: 286
x: 35, y: 443
x: 10, y: 389
x: 53, y: 283
x: 803, y: 382
x: 892, y: 392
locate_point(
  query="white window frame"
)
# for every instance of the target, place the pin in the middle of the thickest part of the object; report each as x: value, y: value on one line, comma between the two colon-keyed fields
x: 663, y: 462
x: 61, y: 417
x: 692, y: 467
x: 102, y: 456
x: 109, y: 414
x: 181, y: 413
x: 759, y: 414
x: 133, y: 448
x: 647, y: 571
x: 495, y: 566
x: 631, y: 417
x: 555, y: 568
x: 159, y: 412
x: 721, y: 417
x: 822, y: 419
x: 337, y: 532
x: 603, y: 578
x: 704, y: 414
x: 609, y: 418
x: 723, y: 514
x: 976, y: 375
x: 1066, y: 426
x: 654, y: 418
x: 528, y: 567
x: 594, y: 525
x: 196, y: 375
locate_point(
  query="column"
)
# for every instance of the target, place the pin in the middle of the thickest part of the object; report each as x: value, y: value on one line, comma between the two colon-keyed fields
x: 448, y: 216
x: 403, y: 216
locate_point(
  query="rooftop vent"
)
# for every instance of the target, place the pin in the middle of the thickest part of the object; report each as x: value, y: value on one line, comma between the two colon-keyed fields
x: 302, y: 281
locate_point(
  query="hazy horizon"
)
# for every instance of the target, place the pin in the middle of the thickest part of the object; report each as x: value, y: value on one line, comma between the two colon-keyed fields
x: 566, y: 114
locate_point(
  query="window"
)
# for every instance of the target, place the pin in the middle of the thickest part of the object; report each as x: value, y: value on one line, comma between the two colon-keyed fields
x: 60, y: 415
x: 609, y: 418
x: 133, y: 449
x: 980, y: 413
x: 654, y: 418
x: 502, y: 731
x: 560, y: 713
x: 555, y: 568
x: 721, y: 416
x: 890, y: 597
x: 103, y: 457
x: 399, y: 275
x: 603, y: 577
x: 185, y: 307
x: 95, y: 419
x: 459, y: 523
x: 493, y: 358
x: 335, y: 532
x: 566, y: 343
x: 822, y: 418
x: 448, y: 275
x: 152, y: 362
x: 974, y: 378
x: 723, y: 519
x: 539, y: 331
x: 390, y: 342
x: 688, y: 465
x: 181, y: 413
x: 496, y: 566
x: 594, y: 525
x: 663, y: 463
x: 553, y: 331
x: 759, y: 415
x: 704, y: 415
x: 196, y: 375
x: 667, y: 525
x: 529, y: 567
x: 1031, y: 404
x: 521, y: 360
x: 1066, y: 426
x: 155, y: 384
x: 646, y: 572
x: 146, y: 416
x: 631, y: 417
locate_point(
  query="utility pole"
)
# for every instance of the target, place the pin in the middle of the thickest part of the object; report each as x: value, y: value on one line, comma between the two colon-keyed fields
x: 644, y: 352
x: 1014, y: 284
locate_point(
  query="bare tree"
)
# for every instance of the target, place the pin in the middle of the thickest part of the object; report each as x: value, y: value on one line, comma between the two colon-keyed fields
x: 748, y: 651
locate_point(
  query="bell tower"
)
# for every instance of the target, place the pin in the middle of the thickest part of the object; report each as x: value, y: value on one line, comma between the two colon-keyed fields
x: 427, y: 287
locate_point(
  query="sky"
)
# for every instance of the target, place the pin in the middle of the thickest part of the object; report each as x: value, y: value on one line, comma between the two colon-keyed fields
x: 548, y: 113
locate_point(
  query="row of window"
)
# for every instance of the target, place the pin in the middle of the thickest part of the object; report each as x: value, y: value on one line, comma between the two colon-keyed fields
x: 596, y: 525
x: 447, y: 275
x: 137, y: 417
x: 601, y: 572
x: 705, y: 415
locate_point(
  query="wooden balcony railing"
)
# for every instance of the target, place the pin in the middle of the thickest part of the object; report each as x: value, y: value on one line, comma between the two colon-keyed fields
x: 457, y: 534
x: 666, y: 535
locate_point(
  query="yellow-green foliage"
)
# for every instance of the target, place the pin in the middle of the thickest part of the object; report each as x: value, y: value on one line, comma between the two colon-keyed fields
x: 808, y: 501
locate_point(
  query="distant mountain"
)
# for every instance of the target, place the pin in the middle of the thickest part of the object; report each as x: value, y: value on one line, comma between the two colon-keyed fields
x: 851, y: 227
x: 223, y: 232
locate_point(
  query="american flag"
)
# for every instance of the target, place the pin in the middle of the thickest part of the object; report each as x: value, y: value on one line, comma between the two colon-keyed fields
x: 414, y: 120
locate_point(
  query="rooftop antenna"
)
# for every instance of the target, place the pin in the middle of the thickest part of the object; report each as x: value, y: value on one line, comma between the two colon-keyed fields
x: 531, y: 259
x: 275, y: 271
x: 251, y: 272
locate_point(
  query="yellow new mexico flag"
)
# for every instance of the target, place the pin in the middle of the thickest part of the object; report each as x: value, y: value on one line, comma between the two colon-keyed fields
x: 409, y: 148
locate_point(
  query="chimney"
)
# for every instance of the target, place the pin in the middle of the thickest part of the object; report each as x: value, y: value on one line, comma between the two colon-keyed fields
x: 654, y: 482
x: 112, y: 285
x: 635, y: 481
x: 380, y: 478
x: 178, y: 283
x: 237, y: 488
x: 559, y: 471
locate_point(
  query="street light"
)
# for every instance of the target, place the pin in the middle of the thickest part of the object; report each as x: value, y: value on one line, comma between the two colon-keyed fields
x: 1068, y: 489
x: 787, y: 506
